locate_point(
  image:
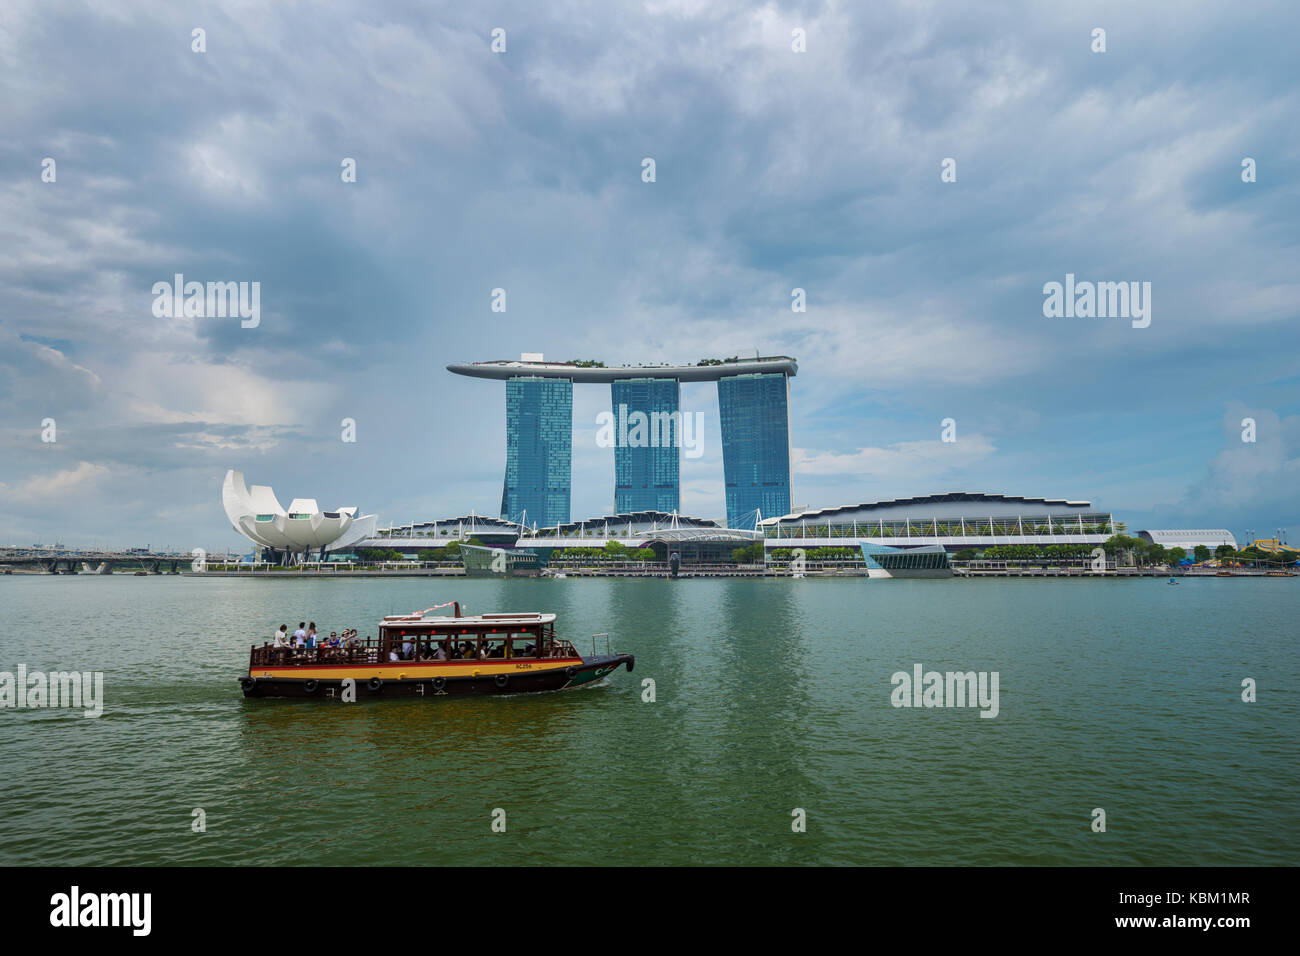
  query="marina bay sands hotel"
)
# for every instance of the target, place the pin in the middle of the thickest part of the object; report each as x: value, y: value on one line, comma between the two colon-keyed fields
x: 754, y: 413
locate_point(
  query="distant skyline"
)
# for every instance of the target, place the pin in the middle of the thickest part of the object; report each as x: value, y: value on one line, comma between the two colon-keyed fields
x: 515, y: 179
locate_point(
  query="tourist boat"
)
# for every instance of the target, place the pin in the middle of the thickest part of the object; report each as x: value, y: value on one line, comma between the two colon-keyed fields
x: 485, y: 654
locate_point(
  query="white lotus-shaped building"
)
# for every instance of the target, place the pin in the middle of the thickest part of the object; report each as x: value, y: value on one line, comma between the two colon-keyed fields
x: 257, y: 515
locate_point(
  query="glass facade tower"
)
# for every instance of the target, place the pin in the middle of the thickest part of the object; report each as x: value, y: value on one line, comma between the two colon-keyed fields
x: 755, y: 416
x: 650, y: 440
x: 647, y: 447
x: 539, y: 450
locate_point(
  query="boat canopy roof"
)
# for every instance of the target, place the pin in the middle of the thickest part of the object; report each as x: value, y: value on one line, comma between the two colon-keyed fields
x: 512, y: 619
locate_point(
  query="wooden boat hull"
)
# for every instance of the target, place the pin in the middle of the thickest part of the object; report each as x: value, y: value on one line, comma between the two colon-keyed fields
x: 431, y: 679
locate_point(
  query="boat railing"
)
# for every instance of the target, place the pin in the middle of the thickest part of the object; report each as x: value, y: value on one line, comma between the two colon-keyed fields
x: 359, y: 652
x: 565, y: 648
x: 595, y: 639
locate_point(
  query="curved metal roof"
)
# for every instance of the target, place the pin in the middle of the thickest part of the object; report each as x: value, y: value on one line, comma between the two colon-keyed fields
x: 626, y: 517
x: 929, y: 499
x: 486, y: 521
x: 515, y: 368
x: 1193, y: 536
x: 699, y: 534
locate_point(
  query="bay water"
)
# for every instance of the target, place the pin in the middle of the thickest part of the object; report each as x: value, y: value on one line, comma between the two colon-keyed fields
x: 772, y: 704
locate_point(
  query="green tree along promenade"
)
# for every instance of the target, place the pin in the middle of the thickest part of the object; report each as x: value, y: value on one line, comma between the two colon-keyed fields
x: 612, y: 551
x: 749, y: 554
x: 817, y: 554
x: 375, y: 555
x: 1122, y: 549
x: 451, y: 552
x: 1029, y: 552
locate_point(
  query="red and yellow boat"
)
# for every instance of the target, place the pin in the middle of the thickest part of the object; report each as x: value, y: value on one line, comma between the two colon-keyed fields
x: 416, y: 655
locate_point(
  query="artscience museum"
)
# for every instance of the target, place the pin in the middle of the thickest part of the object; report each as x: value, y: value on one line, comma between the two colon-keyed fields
x: 297, y: 534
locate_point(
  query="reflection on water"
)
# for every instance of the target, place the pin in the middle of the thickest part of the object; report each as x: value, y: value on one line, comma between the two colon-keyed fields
x: 769, y: 695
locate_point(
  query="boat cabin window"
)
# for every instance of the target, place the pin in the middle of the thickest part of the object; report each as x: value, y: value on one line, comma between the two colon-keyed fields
x: 523, y: 644
x: 413, y: 644
x: 467, y: 643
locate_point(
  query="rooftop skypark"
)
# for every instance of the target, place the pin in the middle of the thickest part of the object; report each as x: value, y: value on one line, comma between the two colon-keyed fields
x: 592, y: 371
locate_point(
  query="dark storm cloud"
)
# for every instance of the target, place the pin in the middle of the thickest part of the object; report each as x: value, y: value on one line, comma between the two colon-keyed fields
x: 774, y: 170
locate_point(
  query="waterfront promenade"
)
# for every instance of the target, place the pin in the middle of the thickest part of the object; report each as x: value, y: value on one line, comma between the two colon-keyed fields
x: 326, y: 571
x: 156, y: 564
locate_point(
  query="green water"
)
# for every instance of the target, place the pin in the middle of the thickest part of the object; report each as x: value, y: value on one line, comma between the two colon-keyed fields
x: 771, y: 695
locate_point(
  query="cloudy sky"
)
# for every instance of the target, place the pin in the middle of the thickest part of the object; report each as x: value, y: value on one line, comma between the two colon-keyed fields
x: 522, y: 170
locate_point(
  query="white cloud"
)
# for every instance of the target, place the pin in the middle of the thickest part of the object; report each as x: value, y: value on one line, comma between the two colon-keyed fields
x: 58, y: 360
x: 59, y: 486
x: 1261, y: 474
x: 910, y: 460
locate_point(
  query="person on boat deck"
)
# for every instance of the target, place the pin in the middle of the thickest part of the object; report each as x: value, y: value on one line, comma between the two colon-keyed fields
x: 407, y: 648
x: 392, y: 654
x: 439, y: 653
x: 311, y: 634
x: 468, y: 653
x: 282, y: 636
